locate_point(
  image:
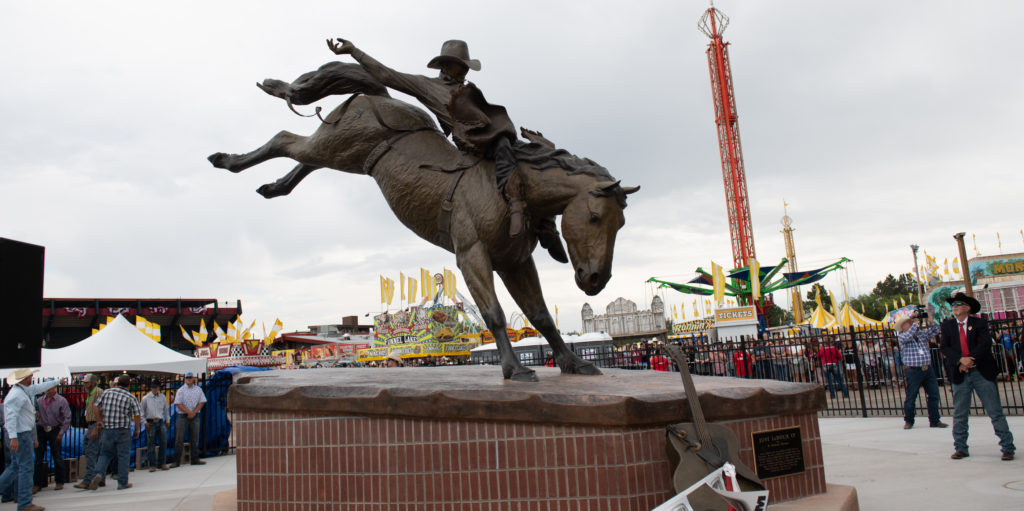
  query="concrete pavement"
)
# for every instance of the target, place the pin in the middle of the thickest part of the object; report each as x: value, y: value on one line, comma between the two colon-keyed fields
x: 186, y: 488
x: 891, y: 468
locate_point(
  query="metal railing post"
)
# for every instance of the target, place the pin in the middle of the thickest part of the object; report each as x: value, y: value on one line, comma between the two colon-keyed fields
x: 860, y: 374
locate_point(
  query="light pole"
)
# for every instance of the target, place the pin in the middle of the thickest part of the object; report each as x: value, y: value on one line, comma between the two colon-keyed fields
x: 917, y: 275
x: 959, y: 237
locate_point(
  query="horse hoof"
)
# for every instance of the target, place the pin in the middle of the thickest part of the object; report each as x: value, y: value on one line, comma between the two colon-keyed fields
x: 269, y: 191
x: 220, y: 160
x: 580, y: 367
x: 522, y: 374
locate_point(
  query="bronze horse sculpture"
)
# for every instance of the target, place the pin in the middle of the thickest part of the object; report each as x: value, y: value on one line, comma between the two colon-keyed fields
x: 449, y: 199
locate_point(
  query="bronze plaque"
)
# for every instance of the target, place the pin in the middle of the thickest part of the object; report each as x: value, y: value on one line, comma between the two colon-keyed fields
x: 778, y: 452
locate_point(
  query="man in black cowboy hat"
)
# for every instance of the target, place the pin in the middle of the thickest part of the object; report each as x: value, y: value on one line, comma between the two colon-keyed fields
x: 476, y: 126
x: 967, y: 346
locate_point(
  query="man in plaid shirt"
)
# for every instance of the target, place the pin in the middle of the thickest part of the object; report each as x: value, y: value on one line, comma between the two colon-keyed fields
x: 117, y: 410
x: 917, y: 359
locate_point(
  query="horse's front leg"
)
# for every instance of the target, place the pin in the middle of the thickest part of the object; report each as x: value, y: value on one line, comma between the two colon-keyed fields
x: 284, y: 143
x: 476, y: 268
x: 524, y: 286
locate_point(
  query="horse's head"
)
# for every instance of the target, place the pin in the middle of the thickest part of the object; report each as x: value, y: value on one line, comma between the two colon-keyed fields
x: 589, y: 224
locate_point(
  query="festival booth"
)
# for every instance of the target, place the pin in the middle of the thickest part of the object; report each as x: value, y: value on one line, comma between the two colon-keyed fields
x: 121, y: 347
x: 419, y: 332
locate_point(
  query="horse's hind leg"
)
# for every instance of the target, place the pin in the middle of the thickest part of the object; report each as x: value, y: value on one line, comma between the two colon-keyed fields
x: 286, y: 184
x: 283, y: 144
x: 524, y: 286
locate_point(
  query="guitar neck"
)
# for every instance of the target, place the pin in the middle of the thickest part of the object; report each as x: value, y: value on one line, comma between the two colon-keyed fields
x: 681, y: 360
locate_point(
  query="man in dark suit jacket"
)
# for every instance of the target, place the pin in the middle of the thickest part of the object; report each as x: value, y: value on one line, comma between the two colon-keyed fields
x: 967, y: 346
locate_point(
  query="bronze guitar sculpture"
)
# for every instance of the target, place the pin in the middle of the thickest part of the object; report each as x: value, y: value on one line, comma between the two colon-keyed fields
x: 698, y: 448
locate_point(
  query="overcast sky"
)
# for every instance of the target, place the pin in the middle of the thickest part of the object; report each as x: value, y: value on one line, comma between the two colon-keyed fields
x: 882, y: 124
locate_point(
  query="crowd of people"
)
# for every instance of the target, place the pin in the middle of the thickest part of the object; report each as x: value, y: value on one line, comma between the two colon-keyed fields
x: 35, y: 417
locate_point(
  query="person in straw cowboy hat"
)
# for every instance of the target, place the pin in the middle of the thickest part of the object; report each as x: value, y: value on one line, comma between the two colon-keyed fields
x: 395, y: 360
x: 20, y: 423
x: 915, y: 352
x: 967, y: 346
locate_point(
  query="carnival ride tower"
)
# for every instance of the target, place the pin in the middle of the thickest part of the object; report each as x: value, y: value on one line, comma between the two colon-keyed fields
x: 712, y: 24
x: 787, y: 236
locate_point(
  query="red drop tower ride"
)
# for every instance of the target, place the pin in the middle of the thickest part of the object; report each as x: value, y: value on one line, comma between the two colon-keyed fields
x: 712, y: 24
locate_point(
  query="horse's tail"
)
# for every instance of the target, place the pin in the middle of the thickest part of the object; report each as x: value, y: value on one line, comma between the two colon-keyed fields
x: 334, y: 78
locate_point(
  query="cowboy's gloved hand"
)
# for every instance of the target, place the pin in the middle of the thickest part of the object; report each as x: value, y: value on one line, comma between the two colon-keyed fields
x: 345, y: 47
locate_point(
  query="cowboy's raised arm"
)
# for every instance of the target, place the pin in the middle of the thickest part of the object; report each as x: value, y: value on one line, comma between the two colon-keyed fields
x: 412, y: 85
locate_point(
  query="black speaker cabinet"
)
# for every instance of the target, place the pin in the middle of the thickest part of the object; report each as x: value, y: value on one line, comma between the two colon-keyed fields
x: 21, y: 303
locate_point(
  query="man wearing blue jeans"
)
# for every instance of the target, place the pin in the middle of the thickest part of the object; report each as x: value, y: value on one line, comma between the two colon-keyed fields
x: 188, y: 402
x: 20, y: 423
x: 916, y: 356
x: 117, y: 409
x: 967, y: 346
x: 154, y: 410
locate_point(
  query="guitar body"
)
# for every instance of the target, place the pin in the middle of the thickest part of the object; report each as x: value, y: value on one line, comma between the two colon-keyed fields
x: 692, y: 463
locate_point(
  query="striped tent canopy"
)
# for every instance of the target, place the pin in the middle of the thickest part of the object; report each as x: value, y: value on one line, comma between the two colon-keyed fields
x: 820, y: 318
x: 848, y: 318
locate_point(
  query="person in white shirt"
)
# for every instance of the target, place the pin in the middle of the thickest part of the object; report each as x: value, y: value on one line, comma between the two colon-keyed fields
x: 20, y: 423
x: 158, y: 419
x: 188, y: 402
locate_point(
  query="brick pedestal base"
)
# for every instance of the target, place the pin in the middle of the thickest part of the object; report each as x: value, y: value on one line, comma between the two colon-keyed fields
x: 295, y: 459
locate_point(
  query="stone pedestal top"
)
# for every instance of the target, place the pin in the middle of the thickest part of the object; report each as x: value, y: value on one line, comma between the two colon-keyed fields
x: 617, y: 398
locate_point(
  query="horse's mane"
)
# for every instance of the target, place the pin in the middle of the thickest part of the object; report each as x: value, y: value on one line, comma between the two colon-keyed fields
x: 542, y: 157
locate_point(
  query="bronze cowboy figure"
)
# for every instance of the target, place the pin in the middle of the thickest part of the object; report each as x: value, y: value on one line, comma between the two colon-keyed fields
x: 476, y: 126
x: 447, y: 194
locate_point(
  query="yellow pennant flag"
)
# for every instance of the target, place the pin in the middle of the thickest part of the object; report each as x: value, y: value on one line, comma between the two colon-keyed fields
x: 219, y: 332
x: 276, y: 329
x: 426, y: 283
x: 95, y: 331
x: 718, y: 282
x: 390, y: 287
x: 383, y: 295
x: 185, y: 335
x: 755, y: 279
x: 411, y: 284
x: 401, y: 281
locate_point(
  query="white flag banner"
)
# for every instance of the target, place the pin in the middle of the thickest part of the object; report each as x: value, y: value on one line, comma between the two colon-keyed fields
x: 723, y: 482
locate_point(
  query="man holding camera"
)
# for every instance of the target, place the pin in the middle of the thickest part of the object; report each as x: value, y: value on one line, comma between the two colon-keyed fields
x: 916, y: 355
x: 967, y: 346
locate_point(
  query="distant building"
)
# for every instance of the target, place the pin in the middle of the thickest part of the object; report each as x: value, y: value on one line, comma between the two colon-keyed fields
x: 69, y: 320
x: 997, y: 282
x: 622, y: 320
x: 348, y: 331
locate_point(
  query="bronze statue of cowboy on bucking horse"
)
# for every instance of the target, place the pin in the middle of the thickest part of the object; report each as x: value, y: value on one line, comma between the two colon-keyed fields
x: 488, y: 198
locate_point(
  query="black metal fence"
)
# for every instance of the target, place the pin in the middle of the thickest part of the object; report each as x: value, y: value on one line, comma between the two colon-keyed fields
x: 868, y: 366
x: 215, y: 424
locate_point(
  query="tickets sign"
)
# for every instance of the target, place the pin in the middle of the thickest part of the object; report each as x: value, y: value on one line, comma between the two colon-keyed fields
x: 746, y: 315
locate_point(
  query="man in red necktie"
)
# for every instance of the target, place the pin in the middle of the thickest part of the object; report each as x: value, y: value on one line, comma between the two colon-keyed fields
x: 967, y: 347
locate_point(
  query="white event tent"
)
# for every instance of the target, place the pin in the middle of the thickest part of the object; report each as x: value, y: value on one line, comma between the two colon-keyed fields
x: 121, y: 347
